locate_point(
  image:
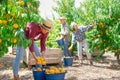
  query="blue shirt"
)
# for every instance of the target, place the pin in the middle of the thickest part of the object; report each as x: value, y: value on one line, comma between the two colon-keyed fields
x: 80, y: 35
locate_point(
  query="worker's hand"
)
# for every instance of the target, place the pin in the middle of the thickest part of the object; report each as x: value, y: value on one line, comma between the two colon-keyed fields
x: 70, y: 48
x: 94, y: 24
x: 62, y: 34
x: 35, y: 57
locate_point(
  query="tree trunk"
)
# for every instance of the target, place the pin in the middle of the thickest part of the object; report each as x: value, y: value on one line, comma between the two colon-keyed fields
x: 118, y: 58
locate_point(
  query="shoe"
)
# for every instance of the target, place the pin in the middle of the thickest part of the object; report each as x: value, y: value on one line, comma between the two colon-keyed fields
x: 91, y: 62
x: 80, y: 64
x: 81, y: 61
x: 16, y: 77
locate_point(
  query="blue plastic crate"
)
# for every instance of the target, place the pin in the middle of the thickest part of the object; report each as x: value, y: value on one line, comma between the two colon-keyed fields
x: 60, y: 42
x: 68, y: 61
x: 39, y: 75
x: 58, y: 76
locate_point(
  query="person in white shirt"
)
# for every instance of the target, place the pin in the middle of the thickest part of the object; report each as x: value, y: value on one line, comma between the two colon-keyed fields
x: 65, y: 33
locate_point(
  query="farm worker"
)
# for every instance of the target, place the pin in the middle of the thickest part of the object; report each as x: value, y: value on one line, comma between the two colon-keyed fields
x: 78, y: 36
x: 65, y: 34
x: 33, y: 31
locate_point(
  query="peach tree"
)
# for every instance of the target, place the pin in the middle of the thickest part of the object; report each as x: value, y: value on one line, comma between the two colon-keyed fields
x: 105, y: 36
x: 105, y: 13
x: 14, y: 14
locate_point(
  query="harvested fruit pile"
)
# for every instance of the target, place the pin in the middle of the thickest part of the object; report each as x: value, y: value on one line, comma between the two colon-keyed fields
x: 54, y: 70
x: 41, y: 61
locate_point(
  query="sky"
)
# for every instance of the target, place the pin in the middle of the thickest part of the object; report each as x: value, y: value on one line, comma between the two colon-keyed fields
x: 46, y: 10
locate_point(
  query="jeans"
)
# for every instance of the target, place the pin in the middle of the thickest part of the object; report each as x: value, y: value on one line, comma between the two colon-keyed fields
x: 66, y: 51
x: 80, y: 49
x: 19, y: 55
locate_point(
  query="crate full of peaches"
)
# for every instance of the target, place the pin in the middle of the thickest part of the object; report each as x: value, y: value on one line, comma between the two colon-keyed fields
x: 47, y: 73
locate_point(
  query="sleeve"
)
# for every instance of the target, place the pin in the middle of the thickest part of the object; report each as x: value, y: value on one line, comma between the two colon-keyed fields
x: 61, y: 29
x: 42, y: 42
x: 73, y: 39
x: 85, y: 28
x: 31, y: 36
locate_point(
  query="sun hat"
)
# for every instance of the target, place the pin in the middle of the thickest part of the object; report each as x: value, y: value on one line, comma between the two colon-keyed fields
x: 48, y: 24
x: 62, y: 18
x: 72, y: 24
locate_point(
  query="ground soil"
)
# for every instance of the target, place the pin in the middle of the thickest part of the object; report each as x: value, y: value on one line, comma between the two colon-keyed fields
x: 106, y: 68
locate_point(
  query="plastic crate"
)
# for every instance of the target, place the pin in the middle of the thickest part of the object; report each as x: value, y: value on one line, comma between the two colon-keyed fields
x: 59, y: 76
x: 68, y: 61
